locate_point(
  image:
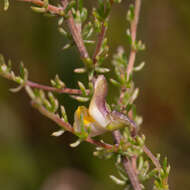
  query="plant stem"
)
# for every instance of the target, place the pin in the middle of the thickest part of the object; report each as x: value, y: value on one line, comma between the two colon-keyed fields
x: 51, y: 8
x: 131, y: 172
x: 58, y: 90
x: 126, y: 162
x: 75, y: 33
x: 99, y: 42
x: 133, y: 30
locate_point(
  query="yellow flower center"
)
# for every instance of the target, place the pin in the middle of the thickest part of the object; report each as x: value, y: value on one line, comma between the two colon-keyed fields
x: 87, y: 119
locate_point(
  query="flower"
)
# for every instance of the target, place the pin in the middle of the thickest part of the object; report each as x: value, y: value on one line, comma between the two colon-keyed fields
x: 97, y: 119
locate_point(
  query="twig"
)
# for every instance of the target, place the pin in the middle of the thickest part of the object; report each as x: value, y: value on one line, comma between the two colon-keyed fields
x: 75, y: 33
x: 51, y: 8
x: 131, y: 172
x: 44, y: 87
x: 133, y: 30
x: 152, y: 157
x: 132, y: 175
x: 99, y: 42
x: 58, y: 90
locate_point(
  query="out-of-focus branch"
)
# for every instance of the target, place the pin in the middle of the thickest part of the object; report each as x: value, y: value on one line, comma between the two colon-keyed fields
x: 133, y: 30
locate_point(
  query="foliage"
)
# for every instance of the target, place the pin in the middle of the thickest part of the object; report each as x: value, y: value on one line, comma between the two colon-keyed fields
x: 79, y: 31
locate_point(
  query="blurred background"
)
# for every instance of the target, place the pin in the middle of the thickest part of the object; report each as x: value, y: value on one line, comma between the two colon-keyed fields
x: 31, y: 159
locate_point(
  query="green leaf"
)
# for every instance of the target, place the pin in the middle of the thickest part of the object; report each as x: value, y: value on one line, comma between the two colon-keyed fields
x: 130, y: 14
x: 80, y: 98
x: 75, y: 144
x: 58, y: 133
x: 139, y: 67
x: 82, y: 87
x: 115, y: 83
x: 102, y: 70
x: 64, y: 115
x: 117, y: 180
x: 128, y: 33
x: 38, y: 9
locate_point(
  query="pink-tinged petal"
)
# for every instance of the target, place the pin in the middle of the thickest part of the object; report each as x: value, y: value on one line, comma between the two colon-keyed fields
x: 97, y: 108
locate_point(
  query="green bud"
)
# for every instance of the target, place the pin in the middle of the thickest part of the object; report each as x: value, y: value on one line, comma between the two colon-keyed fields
x: 53, y: 101
x: 18, y: 80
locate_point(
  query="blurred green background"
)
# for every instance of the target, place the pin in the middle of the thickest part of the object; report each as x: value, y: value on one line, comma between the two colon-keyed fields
x: 31, y: 159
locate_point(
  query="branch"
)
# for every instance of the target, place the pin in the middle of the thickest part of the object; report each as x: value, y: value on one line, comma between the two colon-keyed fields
x: 75, y: 33
x: 50, y: 8
x: 58, y: 90
x: 99, y: 42
x: 131, y: 172
x: 152, y: 157
x: 133, y: 30
x: 117, y: 135
x: 44, y: 87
